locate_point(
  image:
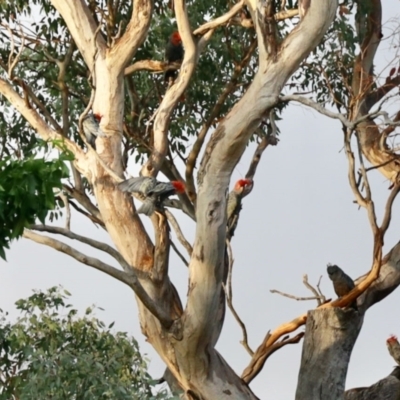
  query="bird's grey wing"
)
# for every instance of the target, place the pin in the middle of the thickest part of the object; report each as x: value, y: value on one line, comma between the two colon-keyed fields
x: 161, y: 188
x: 134, y: 185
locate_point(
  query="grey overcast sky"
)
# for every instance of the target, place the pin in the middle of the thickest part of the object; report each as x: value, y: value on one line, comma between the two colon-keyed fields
x: 299, y: 217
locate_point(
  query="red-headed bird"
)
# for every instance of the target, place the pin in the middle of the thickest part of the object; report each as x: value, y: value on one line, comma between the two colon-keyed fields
x: 153, y: 191
x: 394, y: 348
x: 234, y: 203
x: 173, y: 53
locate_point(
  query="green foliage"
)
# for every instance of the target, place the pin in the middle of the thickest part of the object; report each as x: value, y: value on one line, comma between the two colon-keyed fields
x: 48, y: 40
x: 327, y: 73
x: 27, y: 193
x: 51, y: 353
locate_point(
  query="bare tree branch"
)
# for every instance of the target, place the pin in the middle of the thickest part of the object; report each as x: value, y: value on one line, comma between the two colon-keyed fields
x: 378, y: 94
x: 317, y: 293
x: 179, y: 234
x: 83, y: 239
x: 129, y: 279
x: 264, y: 352
x: 223, y: 19
x: 37, y: 123
x: 229, y: 300
x: 179, y: 254
x: 291, y: 296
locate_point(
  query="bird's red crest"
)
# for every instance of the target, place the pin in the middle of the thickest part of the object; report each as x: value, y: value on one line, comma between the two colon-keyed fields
x: 241, y: 183
x: 176, y: 39
x: 98, y: 117
x: 179, y: 186
x: 392, y: 338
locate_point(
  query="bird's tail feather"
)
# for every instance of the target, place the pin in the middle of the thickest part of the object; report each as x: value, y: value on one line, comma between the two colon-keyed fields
x: 148, y: 207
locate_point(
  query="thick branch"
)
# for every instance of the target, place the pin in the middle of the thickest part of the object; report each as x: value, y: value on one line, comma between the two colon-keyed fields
x: 151, y: 65
x: 198, y: 144
x: 134, y: 36
x: 252, y: 371
x: 82, y: 28
x: 378, y: 94
x: 387, y: 282
x: 37, y: 123
x: 257, y: 363
x: 224, y: 150
x: 220, y: 20
x: 83, y: 239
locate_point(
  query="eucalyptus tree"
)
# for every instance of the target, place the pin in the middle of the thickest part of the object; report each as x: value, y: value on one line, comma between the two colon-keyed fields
x: 243, y: 64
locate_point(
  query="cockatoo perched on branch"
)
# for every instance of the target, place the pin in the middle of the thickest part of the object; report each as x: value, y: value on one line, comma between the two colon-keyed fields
x: 153, y: 191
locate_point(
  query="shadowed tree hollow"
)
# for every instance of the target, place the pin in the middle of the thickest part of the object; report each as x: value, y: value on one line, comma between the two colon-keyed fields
x: 91, y: 88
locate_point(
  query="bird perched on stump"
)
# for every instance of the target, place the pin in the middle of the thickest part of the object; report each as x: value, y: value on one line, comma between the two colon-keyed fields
x: 153, y: 191
x: 342, y: 283
x: 394, y: 348
x: 234, y: 203
x: 173, y: 53
x: 91, y: 128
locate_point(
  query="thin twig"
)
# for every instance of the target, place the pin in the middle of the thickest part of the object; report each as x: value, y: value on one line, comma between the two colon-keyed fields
x: 179, y: 234
x: 84, y: 201
x: 321, y: 298
x: 94, y: 219
x: 229, y: 298
x: 291, y: 296
x: 179, y: 254
x: 319, y: 289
